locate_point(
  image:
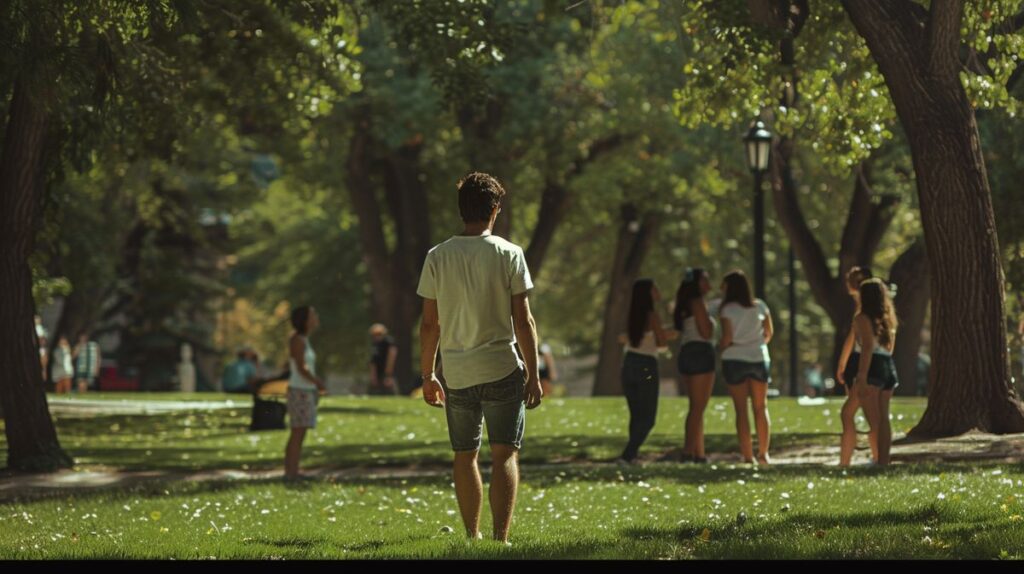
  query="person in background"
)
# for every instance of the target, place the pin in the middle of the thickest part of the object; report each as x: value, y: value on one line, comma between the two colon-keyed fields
x: 814, y: 382
x: 304, y: 388
x: 240, y: 374
x: 696, y: 359
x: 546, y: 368
x: 44, y: 344
x: 87, y: 362
x: 746, y: 331
x: 63, y: 366
x: 383, y: 356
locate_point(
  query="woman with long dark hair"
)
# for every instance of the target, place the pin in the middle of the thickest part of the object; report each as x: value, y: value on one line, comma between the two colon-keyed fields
x: 875, y: 329
x: 696, y: 356
x: 846, y: 374
x: 304, y: 387
x: 640, y: 380
x: 746, y: 331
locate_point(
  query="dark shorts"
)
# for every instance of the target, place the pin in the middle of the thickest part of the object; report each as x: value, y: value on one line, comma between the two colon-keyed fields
x: 737, y: 372
x: 500, y: 404
x: 696, y: 358
x: 882, y: 372
x: 544, y: 374
x: 850, y: 373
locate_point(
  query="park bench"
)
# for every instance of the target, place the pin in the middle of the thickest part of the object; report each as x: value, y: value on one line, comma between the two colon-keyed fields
x: 269, y: 405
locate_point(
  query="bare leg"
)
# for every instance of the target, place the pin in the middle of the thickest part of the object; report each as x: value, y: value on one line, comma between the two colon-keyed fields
x: 504, y: 484
x: 869, y: 400
x: 469, y: 490
x: 759, y: 394
x: 699, y: 387
x: 884, y: 427
x: 739, y: 395
x: 293, y: 452
x: 848, y: 415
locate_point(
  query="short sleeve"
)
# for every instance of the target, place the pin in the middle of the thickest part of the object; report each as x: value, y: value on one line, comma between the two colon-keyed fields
x: 428, y: 283
x: 545, y: 348
x: 520, y: 280
x: 763, y: 307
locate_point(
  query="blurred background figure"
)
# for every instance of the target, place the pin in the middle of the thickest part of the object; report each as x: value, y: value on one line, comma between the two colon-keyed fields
x: 383, y: 353
x: 87, y: 362
x: 814, y: 381
x: 44, y: 344
x: 63, y: 367
x: 546, y: 368
x: 240, y: 374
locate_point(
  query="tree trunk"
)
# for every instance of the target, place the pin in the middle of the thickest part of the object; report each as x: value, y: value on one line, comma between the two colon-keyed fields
x: 635, y: 238
x: 917, y: 52
x: 32, y: 443
x: 913, y: 290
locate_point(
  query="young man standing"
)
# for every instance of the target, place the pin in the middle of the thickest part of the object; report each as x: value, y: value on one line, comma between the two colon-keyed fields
x: 474, y: 288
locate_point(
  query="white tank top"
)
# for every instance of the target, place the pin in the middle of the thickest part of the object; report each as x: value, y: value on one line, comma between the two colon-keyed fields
x: 878, y: 350
x: 691, y: 333
x: 296, y: 380
x: 648, y: 345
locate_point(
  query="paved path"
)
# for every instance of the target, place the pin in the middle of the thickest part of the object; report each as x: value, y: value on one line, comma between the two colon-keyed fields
x: 76, y: 406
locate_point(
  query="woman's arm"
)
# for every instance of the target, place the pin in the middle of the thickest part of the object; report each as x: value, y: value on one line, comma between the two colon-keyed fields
x: 661, y: 335
x: 867, y: 346
x: 844, y: 356
x: 769, y: 328
x: 726, y: 339
x: 699, y: 310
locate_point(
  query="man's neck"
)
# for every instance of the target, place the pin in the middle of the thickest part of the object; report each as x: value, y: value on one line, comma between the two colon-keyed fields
x: 477, y: 229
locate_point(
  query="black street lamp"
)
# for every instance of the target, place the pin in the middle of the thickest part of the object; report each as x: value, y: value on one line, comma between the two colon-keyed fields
x: 759, y: 145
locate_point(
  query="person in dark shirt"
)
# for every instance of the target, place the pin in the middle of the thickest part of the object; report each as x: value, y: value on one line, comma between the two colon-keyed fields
x: 382, y: 362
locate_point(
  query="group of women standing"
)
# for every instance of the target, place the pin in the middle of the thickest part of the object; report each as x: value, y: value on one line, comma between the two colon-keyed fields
x: 745, y: 331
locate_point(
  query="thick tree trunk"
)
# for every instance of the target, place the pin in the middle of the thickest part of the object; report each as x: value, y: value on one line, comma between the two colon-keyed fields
x: 913, y: 290
x: 393, y: 275
x: 635, y: 236
x: 917, y: 52
x: 31, y: 438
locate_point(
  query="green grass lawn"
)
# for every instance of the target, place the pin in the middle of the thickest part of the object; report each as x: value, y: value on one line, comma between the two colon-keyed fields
x: 659, y: 510
x: 359, y: 431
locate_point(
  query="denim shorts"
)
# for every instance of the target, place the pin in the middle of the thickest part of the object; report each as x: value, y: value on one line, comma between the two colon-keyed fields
x: 696, y: 358
x: 501, y: 404
x: 737, y: 372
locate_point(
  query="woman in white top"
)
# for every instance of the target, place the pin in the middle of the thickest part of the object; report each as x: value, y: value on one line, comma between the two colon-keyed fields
x: 304, y: 387
x: 63, y: 368
x: 696, y: 357
x: 746, y: 331
x: 875, y: 328
x: 640, y: 382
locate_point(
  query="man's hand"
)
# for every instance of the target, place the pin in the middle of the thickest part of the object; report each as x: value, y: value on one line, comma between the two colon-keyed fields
x: 433, y: 393
x: 534, y: 392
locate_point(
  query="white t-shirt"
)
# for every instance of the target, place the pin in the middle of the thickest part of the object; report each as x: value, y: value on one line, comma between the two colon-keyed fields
x: 747, y: 332
x: 473, y: 279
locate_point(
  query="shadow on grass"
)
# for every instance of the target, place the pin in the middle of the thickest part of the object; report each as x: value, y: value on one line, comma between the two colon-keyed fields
x: 751, y: 540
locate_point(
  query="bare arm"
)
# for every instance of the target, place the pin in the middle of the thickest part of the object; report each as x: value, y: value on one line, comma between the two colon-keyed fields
x: 389, y: 369
x: 769, y: 329
x: 726, y: 341
x: 297, y: 349
x: 430, y: 336
x: 867, y: 346
x: 844, y: 356
x: 661, y: 335
x: 526, y: 334
x: 699, y: 310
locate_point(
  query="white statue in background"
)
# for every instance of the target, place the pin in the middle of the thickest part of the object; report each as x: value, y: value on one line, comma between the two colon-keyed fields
x: 187, y: 370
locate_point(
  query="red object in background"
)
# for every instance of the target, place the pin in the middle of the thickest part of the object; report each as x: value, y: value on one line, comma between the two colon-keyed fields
x: 112, y: 379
